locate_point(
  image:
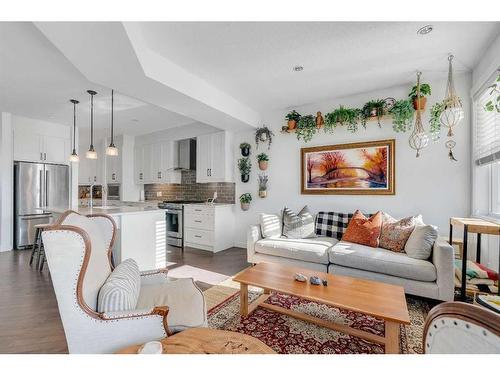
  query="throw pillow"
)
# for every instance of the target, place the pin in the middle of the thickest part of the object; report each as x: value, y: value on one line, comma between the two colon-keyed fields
x: 395, y: 233
x: 421, y: 241
x: 332, y: 224
x: 299, y: 225
x: 121, y: 290
x: 270, y: 226
x: 363, y: 230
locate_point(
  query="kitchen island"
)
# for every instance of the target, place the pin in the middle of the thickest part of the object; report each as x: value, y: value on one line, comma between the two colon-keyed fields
x: 141, y: 232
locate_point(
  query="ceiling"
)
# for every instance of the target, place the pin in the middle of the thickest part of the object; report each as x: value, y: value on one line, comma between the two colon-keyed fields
x: 226, y: 74
x: 37, y: 81
x: 253, y: 61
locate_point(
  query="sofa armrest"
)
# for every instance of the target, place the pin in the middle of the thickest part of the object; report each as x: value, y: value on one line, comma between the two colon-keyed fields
x: 253, y: 235
x: 443, y: 258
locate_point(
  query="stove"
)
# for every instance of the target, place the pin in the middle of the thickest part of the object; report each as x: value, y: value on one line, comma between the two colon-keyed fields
x: 174, y: 219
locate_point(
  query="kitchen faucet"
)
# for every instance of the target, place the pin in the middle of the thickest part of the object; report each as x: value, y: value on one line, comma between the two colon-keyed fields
x: 91, y: 201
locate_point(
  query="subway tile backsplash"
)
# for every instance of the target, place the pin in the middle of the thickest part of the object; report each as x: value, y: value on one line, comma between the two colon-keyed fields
x: 188, y: 189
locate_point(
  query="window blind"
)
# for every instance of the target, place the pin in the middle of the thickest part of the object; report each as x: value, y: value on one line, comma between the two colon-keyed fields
x: 487, y: 147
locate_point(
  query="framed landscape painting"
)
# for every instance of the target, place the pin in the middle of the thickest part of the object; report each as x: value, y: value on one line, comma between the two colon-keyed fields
x: 352, y: 168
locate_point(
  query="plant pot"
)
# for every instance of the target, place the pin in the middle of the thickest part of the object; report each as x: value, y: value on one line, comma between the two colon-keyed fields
x: 245, y: 177
x: 421, y: 104
x: 263, y: 165
x: 262, y: 193
x: 245, y: 206
x: 292, y: 124
x: 245, y: 151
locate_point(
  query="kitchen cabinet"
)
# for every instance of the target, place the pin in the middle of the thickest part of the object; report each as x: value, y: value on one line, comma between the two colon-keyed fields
x: 32, y: 146
x: 89, y: 171
x: 214, y: 158
x: 209, y: 227
x: 154, y: 163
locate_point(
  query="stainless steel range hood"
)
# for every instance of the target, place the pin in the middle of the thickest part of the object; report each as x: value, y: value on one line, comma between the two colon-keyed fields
x: 186, y: 160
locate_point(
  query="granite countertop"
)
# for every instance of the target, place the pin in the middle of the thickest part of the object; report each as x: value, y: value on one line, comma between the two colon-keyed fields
x: 111, y: 210
x: 209, y: 204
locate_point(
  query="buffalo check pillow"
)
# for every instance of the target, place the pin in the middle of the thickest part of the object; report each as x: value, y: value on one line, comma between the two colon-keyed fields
x: 332, y: 224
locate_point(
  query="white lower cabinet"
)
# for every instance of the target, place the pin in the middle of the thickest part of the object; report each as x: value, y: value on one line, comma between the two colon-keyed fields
x: 208, y: 227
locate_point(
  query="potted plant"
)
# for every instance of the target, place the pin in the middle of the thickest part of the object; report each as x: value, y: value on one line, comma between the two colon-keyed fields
x: 263, y: 185
x: 245, y: 166
x: 263, y: 159
x: 264, y: 135
x: 293, y: 118
x: 374, y: 108
x: 344, y: 116
x: 306, y: 128
x: 425, y: 90
x: 245, y: 148
x: 402, y: 115
x: 245, y: 200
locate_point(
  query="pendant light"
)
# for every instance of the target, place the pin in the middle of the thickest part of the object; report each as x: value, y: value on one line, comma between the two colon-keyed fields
x: 418, y: 138
x: 453, y: 111
x: 91, y: 154
x: 112, y: 150
x: 74, y: 156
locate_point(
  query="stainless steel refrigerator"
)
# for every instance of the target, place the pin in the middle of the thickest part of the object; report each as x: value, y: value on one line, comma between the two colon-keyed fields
x: 37, y: 185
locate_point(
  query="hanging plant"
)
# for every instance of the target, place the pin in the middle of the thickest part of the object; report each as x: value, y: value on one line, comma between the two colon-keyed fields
x: 494, y: 103
x: 425, y: 90
x: 306, y: 128
x: 245, y: 166
x: 263, y: 185
x: 264, y: 134
x: 245, y: 148
x: 245, y: 200
x: 263, y: 160
x: 374, y: 108
x: 435, y: 124
x: 402, y: 115
x: 349, y: 117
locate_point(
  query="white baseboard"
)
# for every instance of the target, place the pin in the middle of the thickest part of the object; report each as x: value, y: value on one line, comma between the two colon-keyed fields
x: 243, y: 245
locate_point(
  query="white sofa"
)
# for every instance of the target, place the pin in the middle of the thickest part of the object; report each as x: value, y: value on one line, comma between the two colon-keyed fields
x: 433, y: 278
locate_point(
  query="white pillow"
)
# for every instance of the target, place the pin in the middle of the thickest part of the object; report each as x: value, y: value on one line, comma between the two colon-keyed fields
x: 270, y: 226
x: 421, y: 241
x: 299, y: 225
x: 121, y: 290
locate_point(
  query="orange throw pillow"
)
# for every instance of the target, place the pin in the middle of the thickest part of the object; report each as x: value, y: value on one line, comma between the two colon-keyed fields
x: 363, y: 230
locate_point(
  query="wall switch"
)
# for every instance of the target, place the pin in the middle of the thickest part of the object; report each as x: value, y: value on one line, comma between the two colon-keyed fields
x: 158, y: 194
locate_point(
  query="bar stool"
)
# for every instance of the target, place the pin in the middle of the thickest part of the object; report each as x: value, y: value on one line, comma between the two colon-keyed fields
x: 37, y: 249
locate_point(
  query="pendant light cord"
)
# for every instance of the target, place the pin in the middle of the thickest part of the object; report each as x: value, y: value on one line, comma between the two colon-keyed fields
x: 74, y: 127
x: 91, y: 121
x: 112, y: 144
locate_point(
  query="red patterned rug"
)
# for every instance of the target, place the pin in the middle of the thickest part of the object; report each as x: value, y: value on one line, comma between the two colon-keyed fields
x: 288, y: 335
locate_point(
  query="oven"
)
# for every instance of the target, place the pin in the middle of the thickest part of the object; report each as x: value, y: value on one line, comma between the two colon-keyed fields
x: 174, y: 224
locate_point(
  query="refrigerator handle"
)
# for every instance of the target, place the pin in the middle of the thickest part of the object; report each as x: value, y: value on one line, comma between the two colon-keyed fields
x: 46, y: 188
x: 41, y: 188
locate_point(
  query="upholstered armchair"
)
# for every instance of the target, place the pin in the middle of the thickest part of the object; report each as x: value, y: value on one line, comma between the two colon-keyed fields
x: 78, y: 250
x: 461, y: 328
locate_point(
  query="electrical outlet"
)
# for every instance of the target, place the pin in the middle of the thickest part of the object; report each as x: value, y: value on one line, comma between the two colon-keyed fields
x: 158, y: 194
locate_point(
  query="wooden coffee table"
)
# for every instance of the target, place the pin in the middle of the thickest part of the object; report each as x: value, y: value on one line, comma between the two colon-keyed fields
x: 208, y: 341
x: 383, y: 301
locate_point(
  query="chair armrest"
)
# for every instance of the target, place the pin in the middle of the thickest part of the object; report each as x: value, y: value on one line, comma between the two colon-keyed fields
x: 443, y: 259
x: 253, y: 235
x: 158, y: 276
x: 138, y: 313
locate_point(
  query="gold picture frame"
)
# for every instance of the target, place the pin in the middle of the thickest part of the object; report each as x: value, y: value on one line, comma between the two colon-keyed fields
x: 362, y: 168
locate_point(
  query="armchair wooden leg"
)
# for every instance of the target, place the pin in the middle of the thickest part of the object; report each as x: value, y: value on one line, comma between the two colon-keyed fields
x: 163, y: 311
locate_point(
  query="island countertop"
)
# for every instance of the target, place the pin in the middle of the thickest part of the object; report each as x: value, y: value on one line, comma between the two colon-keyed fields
x: 111, y: 210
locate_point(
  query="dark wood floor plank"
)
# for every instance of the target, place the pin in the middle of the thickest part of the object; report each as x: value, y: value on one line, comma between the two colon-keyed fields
x: 29, y: 317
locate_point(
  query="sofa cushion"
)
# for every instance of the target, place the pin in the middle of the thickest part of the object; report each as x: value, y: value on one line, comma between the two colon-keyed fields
x: 299, y: 225
x: 421, y: 241
x: 363, y: 230
x: 314, y: 250
x: 380, y: 260
x: 270, y: 226
x: 395, y: 233
x: 333, y: 224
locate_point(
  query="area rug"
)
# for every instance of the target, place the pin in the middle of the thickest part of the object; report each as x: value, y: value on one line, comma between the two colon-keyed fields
x: 287, y: 335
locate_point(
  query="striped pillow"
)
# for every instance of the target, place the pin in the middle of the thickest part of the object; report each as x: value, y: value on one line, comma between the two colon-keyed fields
x: 121, y: 290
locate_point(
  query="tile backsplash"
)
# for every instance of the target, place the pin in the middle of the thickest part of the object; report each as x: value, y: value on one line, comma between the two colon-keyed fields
x: 188, y: 189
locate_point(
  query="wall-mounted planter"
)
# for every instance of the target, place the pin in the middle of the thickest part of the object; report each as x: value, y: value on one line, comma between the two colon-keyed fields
x: 245, y: 177
x: 245, y: 206
x: 245, y: 151
x: 292, y: 124
x: 262, y: 193
x: 245, y: 200
x: 263, y: 165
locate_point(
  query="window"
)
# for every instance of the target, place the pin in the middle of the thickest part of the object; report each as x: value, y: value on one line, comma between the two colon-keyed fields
x: 487, y: 156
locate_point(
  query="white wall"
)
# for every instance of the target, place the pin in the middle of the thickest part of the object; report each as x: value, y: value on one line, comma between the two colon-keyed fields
x: 6, y: 182
x: 174, y: 134
x: 431, y: 184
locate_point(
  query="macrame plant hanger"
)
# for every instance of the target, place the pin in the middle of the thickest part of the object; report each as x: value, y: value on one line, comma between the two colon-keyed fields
x: 418, y: 138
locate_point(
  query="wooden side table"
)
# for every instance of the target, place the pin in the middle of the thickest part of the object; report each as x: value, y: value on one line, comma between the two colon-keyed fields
x: 208, y: 341
x: 478, y: 226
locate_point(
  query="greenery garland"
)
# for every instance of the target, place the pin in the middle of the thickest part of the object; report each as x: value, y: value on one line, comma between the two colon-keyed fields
x: 306, y: 128
x: 402, y: 115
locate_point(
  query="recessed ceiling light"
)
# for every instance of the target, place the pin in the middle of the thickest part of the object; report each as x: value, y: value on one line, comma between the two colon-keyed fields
x: 135, y: 120
x: 298, y: 68
x: 425, y: 30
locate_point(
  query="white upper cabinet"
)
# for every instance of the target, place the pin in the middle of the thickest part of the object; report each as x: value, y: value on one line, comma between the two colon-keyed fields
x: 214, y: 158
x: 154, y: 163
x: 39, y: 141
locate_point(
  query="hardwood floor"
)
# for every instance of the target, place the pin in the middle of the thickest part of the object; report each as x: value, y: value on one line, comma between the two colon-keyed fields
x: 29, y: 318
